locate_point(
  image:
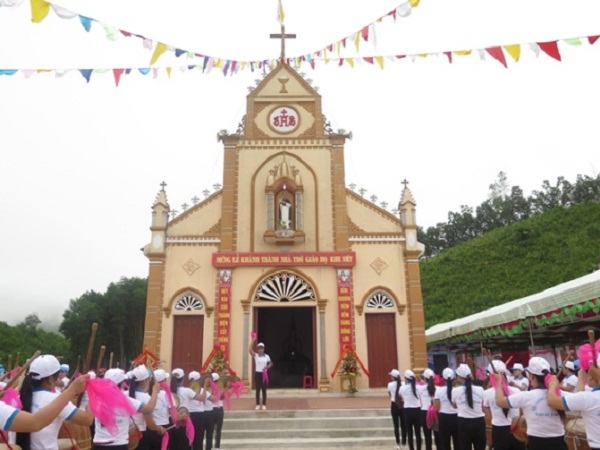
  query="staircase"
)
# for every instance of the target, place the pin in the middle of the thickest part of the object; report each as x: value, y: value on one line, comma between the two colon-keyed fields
x: 309, y: 428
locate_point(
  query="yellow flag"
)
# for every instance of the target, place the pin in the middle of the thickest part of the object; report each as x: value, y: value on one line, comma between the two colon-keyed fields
x: 325, y: 57
x: 414, y: 3
x: 169, y: 72
x: 39, y: 10
x: 280, y: 13
x: 514, y: 51
x: 159, y: 50
x: 339, y: 47
x: 357, y: 40
x: 350, y: 62
x: 462, y: 52
x: 379, y: 60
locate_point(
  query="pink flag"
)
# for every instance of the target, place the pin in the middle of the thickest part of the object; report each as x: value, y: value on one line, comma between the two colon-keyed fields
x: 547, y: 380
x: 189, y: 430
x: 253, y: 335
x: 11, y: 397
x: 505, y: 389
x: 432, y: 417
x: 265, y: 377
x: 165, y: 441
x: 216, y: 393
x: 172, y: 409
x: 107, y: 402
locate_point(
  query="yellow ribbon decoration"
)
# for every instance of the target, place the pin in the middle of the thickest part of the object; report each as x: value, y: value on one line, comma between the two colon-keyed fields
x: 159, y: 50
x: 462, y: 52
x: 169, y: 71
x: 514, y: 51
x: 414, y: 3
x: 357, y: 40
x: 379, y: 60
x: 39, y: 10
x: 350, y: 62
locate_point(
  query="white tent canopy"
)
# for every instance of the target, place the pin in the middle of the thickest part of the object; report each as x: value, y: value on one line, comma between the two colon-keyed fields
x: 556, y: 297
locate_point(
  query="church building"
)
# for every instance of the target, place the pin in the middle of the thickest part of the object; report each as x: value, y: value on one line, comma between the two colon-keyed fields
x: 285, y: 249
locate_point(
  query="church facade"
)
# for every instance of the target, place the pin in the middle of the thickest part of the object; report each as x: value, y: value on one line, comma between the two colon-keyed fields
x: 286, y: 250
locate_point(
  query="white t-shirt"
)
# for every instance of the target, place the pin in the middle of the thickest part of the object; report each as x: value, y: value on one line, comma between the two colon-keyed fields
x: 391, y: 387
x: 588, y: 403
x: 542, y: 421
x: 441, y: 394
x: 47, y: 438
x: 261, y: 361
x: 187, y: 399
x: 161, y: 413
x: 138, y: 418
x: 570, y: 381
x: 102, y: 436
x: 424, y: 397
x: 7, y: 415
x: 459, y: 397
x: 498, y: 417
x: 521, y: 381
x: 410, y: 400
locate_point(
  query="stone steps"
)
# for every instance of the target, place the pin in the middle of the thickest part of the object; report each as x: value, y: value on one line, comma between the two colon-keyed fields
x: 315, y: 428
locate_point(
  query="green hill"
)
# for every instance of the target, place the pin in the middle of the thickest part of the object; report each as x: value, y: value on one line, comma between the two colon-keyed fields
x: 511, y: 262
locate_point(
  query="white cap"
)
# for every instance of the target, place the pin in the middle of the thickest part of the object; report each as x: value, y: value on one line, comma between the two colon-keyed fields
x: 260, y: 344
x: 448, y: 373
x: 160, y: 375
x: 570, y: 365
x: 394, y: 373
x: 538, y: 366
x: 43, y: 366
x: 193, y: 375
x: 428, y: 373
x: 116, y: 375
x: 92, y: 375
x: 463, y: 371
x: 177, y: 373
x: 215, y: 376
x: 409, y: 374
x: 64, y: 368
x: 517, y: 366
x: 129, y: 375
x: 140, y: 373
x: 498, y: 365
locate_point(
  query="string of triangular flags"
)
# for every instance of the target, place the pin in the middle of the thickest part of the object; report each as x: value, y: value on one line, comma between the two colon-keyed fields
x: 230, y: 67
x: 41, y: 8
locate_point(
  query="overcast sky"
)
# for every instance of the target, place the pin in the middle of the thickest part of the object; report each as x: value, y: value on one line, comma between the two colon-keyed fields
x: 81, y: 163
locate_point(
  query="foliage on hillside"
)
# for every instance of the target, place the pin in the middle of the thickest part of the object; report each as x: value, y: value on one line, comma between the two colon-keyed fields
x: 26, y: 338
x: 512, y: 262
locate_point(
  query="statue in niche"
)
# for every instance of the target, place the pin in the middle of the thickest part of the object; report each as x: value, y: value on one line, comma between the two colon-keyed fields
x: 285, y: 211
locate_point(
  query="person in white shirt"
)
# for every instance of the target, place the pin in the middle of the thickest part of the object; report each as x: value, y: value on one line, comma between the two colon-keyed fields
x: 397, y: 407
x: 139, y: 384
x: 569, y: 383
x: 448, y: 418
x: 517, y: 379
x: 63, y: 379
x: 545, y: 429
x: 194, y: 402
x: 468, y: 400
x: 412, y: 409
x: 262, y: 363
x: 219, y: 414
x: 162, y: 413
x: 177, y: 436
x: 37, y: 392
x: 587, y: 402
x: 426, y: 394
x: 500, y: 419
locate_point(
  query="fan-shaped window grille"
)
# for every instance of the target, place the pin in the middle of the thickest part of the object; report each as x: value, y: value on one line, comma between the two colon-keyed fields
x: 380, y: 300
x: 285, y: 287
x: 189, y: 302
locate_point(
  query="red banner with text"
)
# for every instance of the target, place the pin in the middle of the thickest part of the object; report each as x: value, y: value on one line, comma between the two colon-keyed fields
x: 345, y: 309
x: 224, y: 312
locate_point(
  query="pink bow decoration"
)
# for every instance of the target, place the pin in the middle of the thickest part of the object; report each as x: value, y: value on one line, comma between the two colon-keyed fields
x: 432, y: 417
x: 107, y: 402
x: 265, y: 376
x: 172, y: 408
x: 505, y: 389
x: 165, y: 441
x: 189, y: 430
x: 11, y: 397
x: 253, y: 335
x: 547, y: 382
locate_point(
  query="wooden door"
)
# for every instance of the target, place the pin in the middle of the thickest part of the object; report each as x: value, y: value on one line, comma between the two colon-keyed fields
x: 381, y: 347
x: 188, y: 333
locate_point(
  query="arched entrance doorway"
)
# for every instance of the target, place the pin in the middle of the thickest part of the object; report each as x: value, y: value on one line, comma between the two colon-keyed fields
x: 285, y: 320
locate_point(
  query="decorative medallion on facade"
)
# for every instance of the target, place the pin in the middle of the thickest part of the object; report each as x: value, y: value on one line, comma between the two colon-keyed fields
x: 380, y: 300
x: 285, y: 287
x: 379, y: 265
x: 284, y: 119
x: 190, y: 266
x: 188, y: 302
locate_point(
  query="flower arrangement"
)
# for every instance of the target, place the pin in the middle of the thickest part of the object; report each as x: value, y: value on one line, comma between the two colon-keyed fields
x: 349, y: 367
x: 218, y: 363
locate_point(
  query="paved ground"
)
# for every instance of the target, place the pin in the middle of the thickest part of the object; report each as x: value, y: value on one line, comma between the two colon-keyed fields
x: 288, y: 403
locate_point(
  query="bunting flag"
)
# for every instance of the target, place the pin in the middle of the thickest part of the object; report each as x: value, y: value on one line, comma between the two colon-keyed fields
x: 231, y: 67
x: 41, y: 8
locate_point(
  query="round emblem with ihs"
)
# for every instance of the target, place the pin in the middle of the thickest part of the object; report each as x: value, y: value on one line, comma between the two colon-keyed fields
x: 284, y: 119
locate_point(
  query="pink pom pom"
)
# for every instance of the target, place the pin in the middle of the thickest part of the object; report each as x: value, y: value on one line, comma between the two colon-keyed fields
x: 585, y: 354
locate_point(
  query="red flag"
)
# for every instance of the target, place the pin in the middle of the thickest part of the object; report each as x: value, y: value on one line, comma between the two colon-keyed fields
x: 368, y: 59
x: 312, y: 63
x: 117, y: 74
x: 393, y: 14
x: 125, y: 33
x: 365, y: 33
x: 497, y: 54
x: 592, y: 39
x: 400, y: 56
x: 449, y: 55
x: 341, y: 61
x: 551, y: 49
x: 344, y: 42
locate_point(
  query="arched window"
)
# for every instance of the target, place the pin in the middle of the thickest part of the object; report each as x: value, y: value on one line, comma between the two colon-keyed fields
x: 188, y: 302
x: 284, y: 287
x: 380, y: 300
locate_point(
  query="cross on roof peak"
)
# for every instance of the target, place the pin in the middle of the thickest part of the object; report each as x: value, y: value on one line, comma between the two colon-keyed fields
x: 404, y: 182
x: 163, y: 185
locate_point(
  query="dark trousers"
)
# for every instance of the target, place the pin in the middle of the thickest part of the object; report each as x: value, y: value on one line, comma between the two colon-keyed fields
x: 260, y: 386
x: 448, y: 431
x: 199, y: 421
x: 178, y: 439
x: 503, y: 439
x: 153, y: 439
x: 412, y: 419
x: 210, y: 427
x: 427, y: 433
x: 219, y: 418
x: 109, y: 447
x: 550, y: 443
x: 471, y: 433
x: 398, y: 421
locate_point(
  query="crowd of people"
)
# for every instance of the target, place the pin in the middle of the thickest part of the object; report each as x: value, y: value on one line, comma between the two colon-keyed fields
x: 48, y: 400
x: 507, y: 409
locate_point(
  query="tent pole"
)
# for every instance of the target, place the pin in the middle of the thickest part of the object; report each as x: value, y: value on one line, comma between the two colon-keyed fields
x: 531, y: 336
